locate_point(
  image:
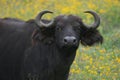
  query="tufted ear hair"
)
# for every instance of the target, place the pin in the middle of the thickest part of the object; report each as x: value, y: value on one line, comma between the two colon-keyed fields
x: 90, y: 37
x: 45, y: 36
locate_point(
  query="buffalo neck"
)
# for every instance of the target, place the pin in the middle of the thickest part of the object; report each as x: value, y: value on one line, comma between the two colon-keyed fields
x: 54, y: 53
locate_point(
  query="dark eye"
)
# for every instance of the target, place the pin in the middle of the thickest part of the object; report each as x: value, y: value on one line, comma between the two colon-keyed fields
x: 77, y: 26
x: 58, y: 28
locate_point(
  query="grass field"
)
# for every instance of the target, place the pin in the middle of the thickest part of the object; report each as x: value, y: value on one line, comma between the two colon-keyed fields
x: 100, y: 62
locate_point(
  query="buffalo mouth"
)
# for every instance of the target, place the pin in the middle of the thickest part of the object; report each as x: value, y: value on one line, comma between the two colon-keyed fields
x: 69, y: 47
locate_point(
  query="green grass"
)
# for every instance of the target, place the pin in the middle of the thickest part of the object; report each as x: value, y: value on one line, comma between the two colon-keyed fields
x: 100, y: 62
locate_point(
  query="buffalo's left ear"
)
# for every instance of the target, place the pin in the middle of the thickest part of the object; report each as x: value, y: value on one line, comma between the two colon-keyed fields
x: 90, y: 34
x: 90, y: 37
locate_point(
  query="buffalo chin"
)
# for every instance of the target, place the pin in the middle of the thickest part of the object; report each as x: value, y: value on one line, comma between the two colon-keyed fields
x: 69, y: 48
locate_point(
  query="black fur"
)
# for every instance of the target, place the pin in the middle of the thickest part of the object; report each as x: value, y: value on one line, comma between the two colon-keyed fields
x: 30, y: 53
x: 90, y: 37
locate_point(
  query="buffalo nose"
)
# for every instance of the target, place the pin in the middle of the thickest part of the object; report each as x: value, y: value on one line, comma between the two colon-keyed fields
x: 70, y: 40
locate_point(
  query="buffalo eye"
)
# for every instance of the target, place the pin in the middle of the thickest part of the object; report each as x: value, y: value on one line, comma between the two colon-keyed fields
x: 77, y: 28
x: 58, y: 28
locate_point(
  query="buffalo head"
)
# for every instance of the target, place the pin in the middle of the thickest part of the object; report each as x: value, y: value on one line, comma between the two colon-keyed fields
x: 68, y: 30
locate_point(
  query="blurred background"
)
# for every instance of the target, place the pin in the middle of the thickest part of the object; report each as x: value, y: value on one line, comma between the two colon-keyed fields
x: 100, y: 62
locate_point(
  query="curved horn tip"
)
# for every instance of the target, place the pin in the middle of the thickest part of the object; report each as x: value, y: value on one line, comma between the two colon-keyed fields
x: 89, y: 11
x: 40, y: 22
x: 96, y: 17
x: 47, y: 11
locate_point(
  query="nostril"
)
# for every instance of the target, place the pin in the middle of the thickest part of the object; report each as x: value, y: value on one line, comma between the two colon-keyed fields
x: 74, y: 40
x: 65, y: 40
x: 70, y: 40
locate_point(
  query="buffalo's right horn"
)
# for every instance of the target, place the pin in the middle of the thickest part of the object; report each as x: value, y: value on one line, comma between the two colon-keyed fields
x: 42, y: 24
x: 96, y: 22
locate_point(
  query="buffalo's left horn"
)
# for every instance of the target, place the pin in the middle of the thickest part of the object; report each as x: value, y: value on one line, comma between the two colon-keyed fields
x: 96, y: 22
x: 40, y: 23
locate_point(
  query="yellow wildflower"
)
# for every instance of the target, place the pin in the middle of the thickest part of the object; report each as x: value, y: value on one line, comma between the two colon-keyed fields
x: 102, y: 51
x: 118, y: 60
x: 102, y: 11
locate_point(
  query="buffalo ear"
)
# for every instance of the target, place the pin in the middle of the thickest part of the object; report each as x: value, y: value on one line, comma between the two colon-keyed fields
x: 90, y: 37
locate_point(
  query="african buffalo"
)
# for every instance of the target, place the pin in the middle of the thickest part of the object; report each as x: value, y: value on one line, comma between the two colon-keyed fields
x: 40, y: 49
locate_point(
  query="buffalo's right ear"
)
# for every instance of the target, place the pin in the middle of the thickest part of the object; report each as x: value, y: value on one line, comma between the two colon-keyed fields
x: 90, y: 37
x: 90, y: 34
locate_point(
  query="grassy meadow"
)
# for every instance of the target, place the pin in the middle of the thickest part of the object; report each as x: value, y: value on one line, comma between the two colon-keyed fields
x: 100, y: 62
